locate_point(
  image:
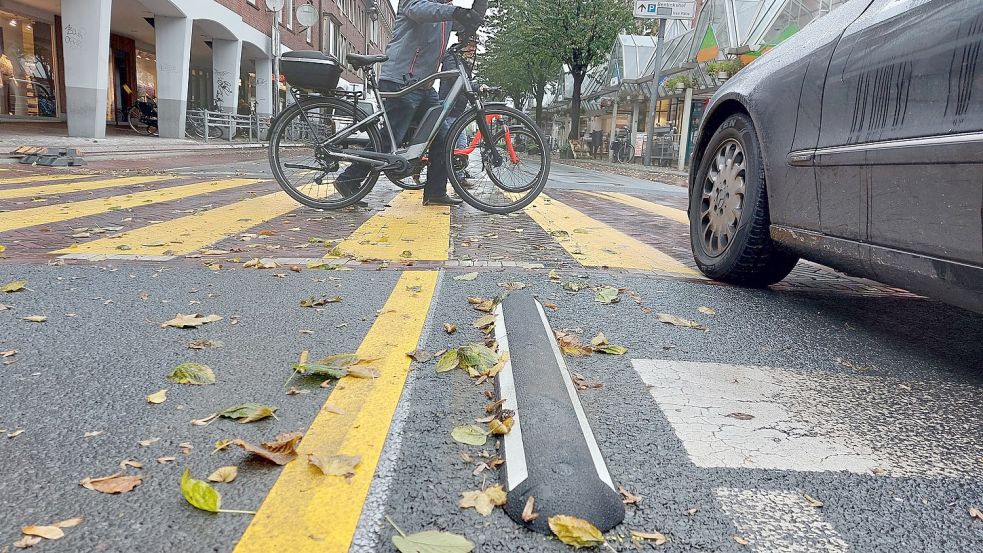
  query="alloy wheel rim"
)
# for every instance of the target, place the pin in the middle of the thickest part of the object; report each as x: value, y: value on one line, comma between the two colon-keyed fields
x: 723, y: 194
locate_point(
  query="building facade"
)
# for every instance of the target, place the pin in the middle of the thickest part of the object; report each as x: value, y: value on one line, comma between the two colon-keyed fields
x: 88, y: 61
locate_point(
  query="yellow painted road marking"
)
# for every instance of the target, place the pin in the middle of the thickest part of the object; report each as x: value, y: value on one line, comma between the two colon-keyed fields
x: 70, y: 187
x: 307, y: 511
x: 405, y: 226
x: 63, y: 212
x: 42, y: 178
x: 677, y: 215
x: 595, y: 244
x: 192, y: 232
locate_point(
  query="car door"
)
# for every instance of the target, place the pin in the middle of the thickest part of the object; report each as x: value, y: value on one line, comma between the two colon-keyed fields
x: 900, y: 149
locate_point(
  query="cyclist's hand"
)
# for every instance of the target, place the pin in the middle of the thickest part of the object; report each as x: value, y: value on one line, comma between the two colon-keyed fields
x: 469, y: 19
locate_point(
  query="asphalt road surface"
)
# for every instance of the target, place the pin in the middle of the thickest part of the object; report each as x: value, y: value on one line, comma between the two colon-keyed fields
x: 826, y: 413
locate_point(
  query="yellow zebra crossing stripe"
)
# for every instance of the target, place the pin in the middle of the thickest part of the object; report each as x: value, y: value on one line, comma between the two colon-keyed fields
x: 406, y: 230
x: 68, y: 188
x: 307, y: 511
x: 192, y: 232
x: 595, y: 244
x: 677, y: 215
x: 41, y: 178
x: 72, y: 210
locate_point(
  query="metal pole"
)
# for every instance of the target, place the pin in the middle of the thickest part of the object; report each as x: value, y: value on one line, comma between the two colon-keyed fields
x: 654, y: 94
x: 684, y: 129
x: 276, y: 61
x: 614, y: 129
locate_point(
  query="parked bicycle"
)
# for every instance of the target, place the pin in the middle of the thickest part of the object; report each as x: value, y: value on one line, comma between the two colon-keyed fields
x: 142, y: 116
x: 624, y: 152
x: 197, y: 126
x: 338, y: 134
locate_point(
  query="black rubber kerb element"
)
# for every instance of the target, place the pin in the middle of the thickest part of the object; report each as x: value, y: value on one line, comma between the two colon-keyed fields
x: 551, y: 453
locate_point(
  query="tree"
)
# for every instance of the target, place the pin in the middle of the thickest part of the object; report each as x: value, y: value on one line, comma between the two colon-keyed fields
x: 516, y: 59
x: 580, y: 34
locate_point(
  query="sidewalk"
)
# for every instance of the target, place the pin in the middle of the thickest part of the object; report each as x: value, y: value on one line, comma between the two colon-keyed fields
x: 120, y: 142
x: 657, y: 174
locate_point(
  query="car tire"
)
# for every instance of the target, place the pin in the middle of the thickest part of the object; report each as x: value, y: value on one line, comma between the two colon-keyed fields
x: 728, y: 212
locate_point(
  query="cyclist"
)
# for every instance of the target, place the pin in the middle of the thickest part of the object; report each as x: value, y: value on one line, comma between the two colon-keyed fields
x: 420, y: 38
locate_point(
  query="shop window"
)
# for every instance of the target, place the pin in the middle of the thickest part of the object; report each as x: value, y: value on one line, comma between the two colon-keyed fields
x: 27, y: 84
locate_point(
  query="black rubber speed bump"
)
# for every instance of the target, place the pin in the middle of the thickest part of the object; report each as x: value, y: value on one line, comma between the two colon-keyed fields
x: 551, y: 453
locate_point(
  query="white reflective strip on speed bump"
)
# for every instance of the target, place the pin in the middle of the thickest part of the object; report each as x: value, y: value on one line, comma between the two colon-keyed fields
x: 515, y: 469
x: 595, y: 451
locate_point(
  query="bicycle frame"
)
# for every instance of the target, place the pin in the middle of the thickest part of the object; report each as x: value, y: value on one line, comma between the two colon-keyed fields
x: 415, y: 151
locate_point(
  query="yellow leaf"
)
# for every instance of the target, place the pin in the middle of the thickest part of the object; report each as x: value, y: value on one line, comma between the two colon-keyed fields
x: 157, y: 397
x: 658, y: 537
x: 69, y: 523
x: 224, y: 474
x: 15, y: 286
x: 46, y: 532
x: 27, y: 541
x: 336, y: 465
x: 483, y: 501
x: 500, y: 427
x: 574, y: 531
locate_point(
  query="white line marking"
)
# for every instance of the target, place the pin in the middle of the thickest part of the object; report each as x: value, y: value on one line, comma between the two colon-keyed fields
x: 516, y: 470
x: 782, y: 521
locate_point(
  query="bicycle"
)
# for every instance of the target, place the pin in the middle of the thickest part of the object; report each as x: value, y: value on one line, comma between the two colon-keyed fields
x: 624, y: 152
x: 195, y: 126
x: 142, y: 117
x: 503, y: 178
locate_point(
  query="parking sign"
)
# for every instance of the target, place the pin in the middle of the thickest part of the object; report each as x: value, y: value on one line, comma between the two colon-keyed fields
x: 664, y: 9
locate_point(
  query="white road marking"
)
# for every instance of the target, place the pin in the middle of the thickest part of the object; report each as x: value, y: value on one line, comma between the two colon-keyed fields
x: 737, y: 416
x: 779, y: 521
x: 516, y: 470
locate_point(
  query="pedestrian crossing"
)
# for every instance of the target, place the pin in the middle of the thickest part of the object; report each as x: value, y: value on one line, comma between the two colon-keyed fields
x: 404, y: 231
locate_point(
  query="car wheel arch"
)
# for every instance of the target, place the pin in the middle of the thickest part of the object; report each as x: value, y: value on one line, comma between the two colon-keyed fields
x: 711, y: 123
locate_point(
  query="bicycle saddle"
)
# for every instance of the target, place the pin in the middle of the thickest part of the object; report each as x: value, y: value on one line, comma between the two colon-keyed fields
x: 358, y: 60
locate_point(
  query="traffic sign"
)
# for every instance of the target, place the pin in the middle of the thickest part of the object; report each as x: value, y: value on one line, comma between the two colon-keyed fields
x: 665, y: 9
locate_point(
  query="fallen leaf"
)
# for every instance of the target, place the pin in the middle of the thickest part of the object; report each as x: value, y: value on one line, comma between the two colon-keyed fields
x: 575, y: 531
x: 115, y: 483
x: 679, y: 321
x: 35, y: 318
x: 513, y: 285
x: 27, y: 541
x: 8, y: 353
x: 707, y: 310
x: 658, y: 537
x: 550, y: 305
x: 448, y: 361
x: 581, y: 382
x: 406, y: 254
x: 606, y: 294
x: 432, y: 542
x: 220, y: 445
x: 318, y: 302
x: 600, y: 343
x: 528, y: 512
x: 483, y: 501
x: 186, y: 447
x: 503, y: 359
x: 69, y: 523
x: 248, y: 412
x: 317, y: 369
x: 295, y: 391
x: 627, y: 497
x: 813, y: 502
x: 205, y: 344
x: 975, y: 513
x: 224, y: 474
x: 281, y: 450
x: 91, y: 434
x: 359, y: 371
x: 46, y: 532
x: 14, y: 286
x: 467, y: 276
x: 500, y: 427
x: 692, y: 511
x: 149, y: 441
x: 573, y: 286
x: 336, y: 465
x: 450, y: 328
x: 553, y: 275
x: 192, y: 373
x: 470, y: 434
x: 165, y: 460
x: 157, y: 397
x: 15, y: 433
x: 484, y: 322
x: 740, y: 416
x: 190, y: 321
x: 420, y: 356
x: 570, y: 344
x: 740, y: 540
x: 130, y: 463
x: 199, y: 493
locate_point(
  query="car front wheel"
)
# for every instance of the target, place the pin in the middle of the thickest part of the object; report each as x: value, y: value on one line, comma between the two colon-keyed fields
x: 728, y: 211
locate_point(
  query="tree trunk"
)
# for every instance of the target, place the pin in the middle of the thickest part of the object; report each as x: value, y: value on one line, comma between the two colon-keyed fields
x: 540, y: 93
x: 578, y: 75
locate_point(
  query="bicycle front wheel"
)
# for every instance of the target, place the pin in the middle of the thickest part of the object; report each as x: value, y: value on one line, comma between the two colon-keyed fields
x: 134, y: 119
x: 505, y: 173
x: 626, y: 153
x: 306, y: 168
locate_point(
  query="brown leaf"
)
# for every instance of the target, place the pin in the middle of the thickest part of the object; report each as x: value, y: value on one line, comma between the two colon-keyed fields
x: 224, y: 474
x: 359, y: 371
x: 15, y: 433
x: 450, y: 328
x: 740, y: 416
x: 332, y: 408
x: 149, y: 441
x: 189, y: 321
x: 528, y: 514
x: 484, y: 322
x: 281, y: 451
x: 92, y: 434
x: 975, y: 513
x: 658, y: 537
x: 740, y: 540
x: 46, y: 532
x: 27, y: 541
x: 581, y: 382
x: 550, y: 305
x: 165, y: 460
x: 69, y: 523
x: 420, y: 356
x: 130, y: 463
x: 813, y: 501
x: 115, y: 483
x: 483, y: 501
x: 336, y: 465
x: 679, y: 321
x: 627, y: 497
x: 205, y: 421
x: 500, y: 427
x: 492, y: 407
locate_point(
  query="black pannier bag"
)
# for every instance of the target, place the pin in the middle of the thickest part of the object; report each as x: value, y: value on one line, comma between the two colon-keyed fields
x: 310, y: 70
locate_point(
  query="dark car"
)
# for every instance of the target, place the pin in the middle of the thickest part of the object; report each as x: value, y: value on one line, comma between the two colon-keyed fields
x: 858, y: 144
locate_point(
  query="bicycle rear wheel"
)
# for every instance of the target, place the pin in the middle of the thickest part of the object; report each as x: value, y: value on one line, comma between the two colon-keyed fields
x: 134, y: 118
x: 516, y: 177
x: 626, y: 153
x: 305, y: 168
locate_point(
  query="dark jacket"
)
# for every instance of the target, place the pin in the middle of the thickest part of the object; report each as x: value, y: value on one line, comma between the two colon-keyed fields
x: 422, y: 32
